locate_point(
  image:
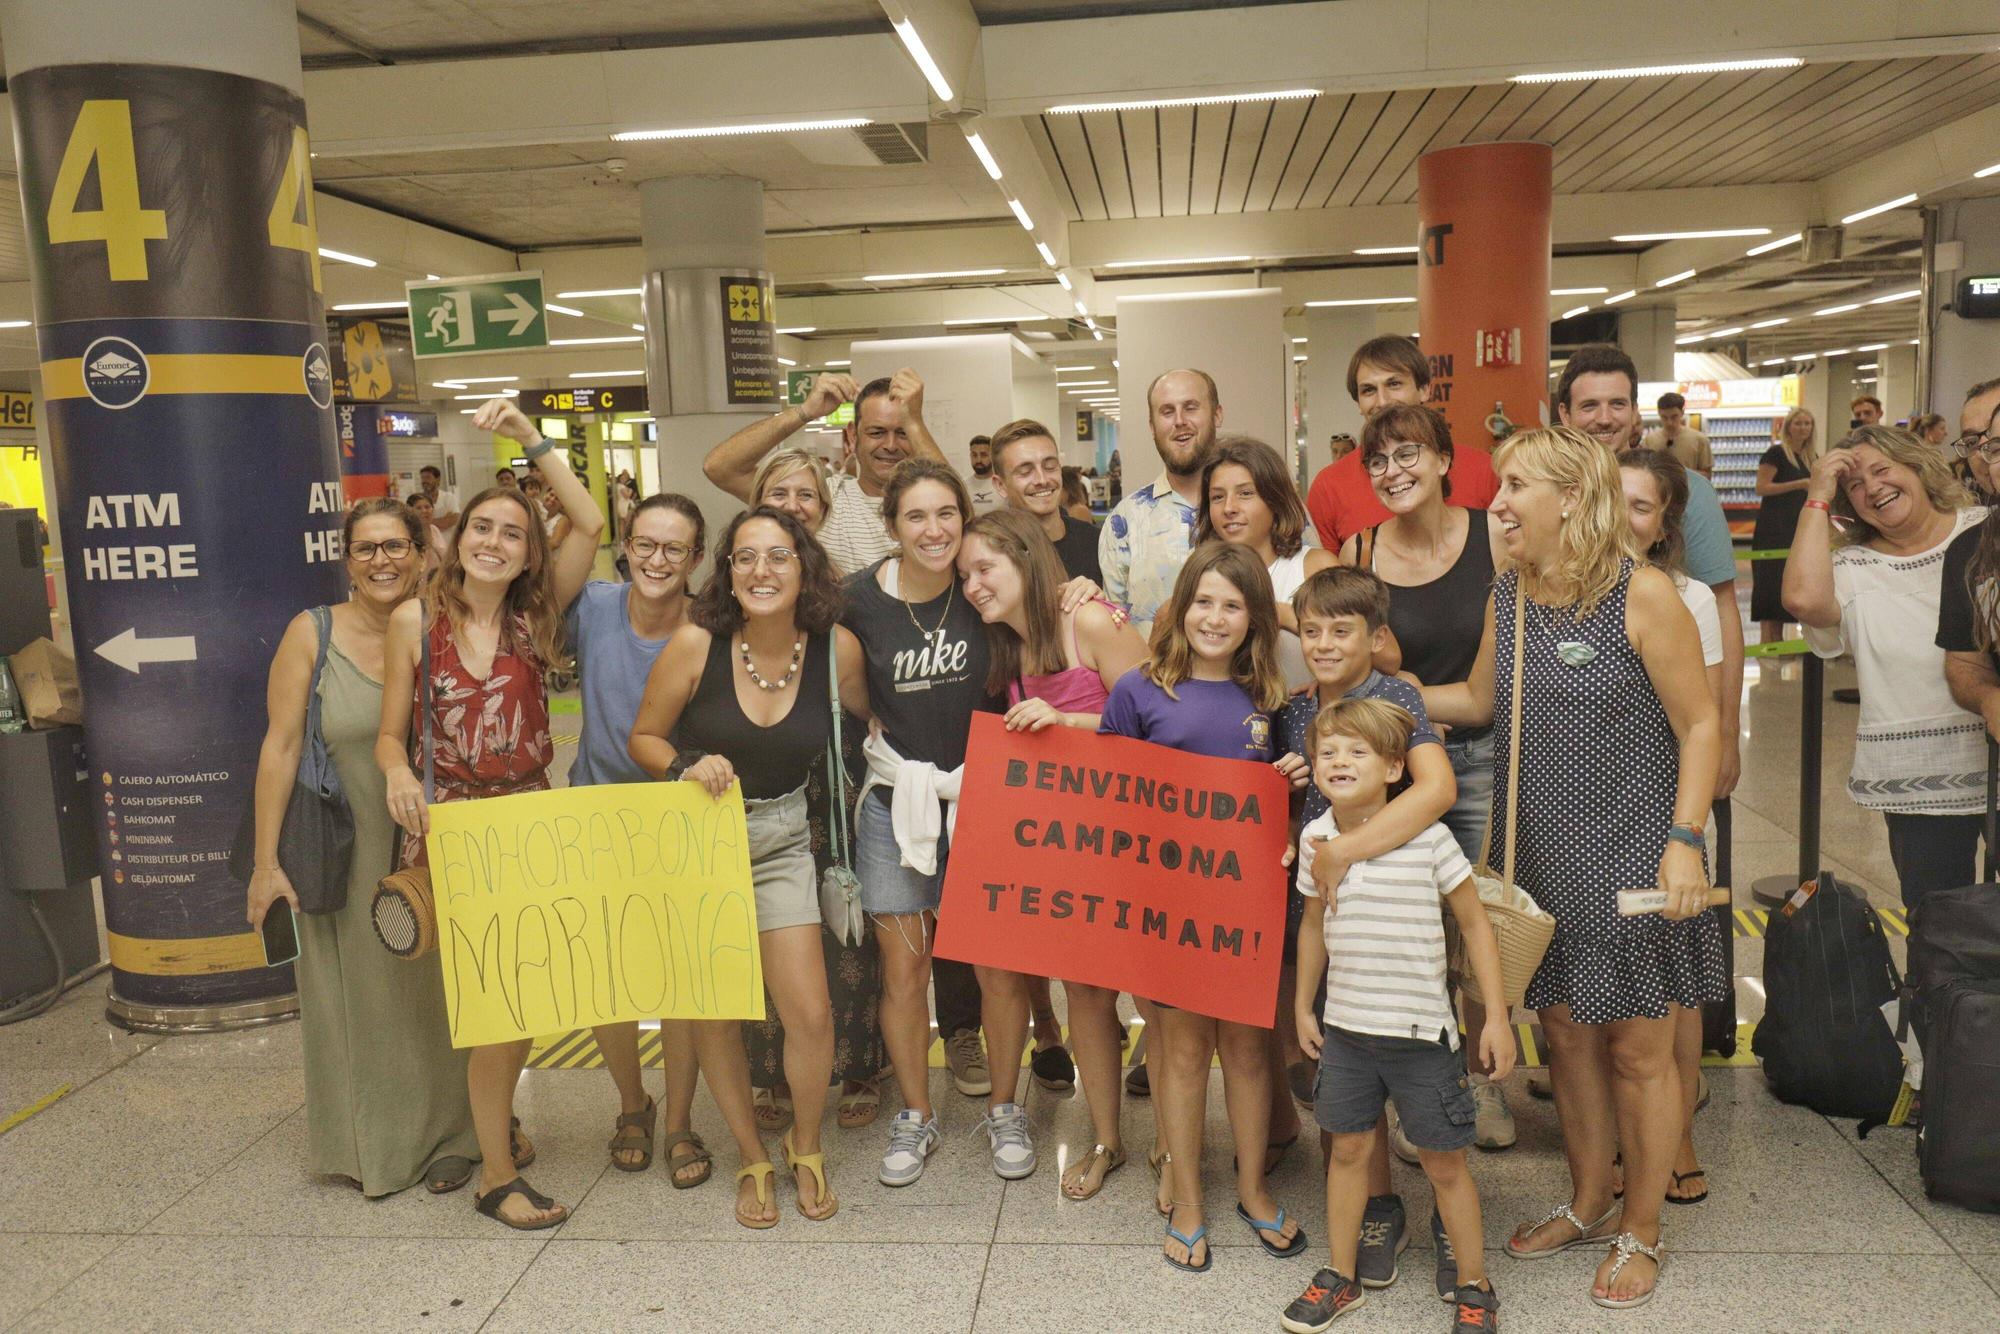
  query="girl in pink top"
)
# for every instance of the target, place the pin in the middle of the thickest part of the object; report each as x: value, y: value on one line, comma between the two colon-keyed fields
x: 1057, y: 670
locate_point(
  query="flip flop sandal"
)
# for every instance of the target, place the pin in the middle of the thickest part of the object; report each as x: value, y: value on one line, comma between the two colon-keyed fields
x: 1679, y: 1177
x: 762, y: 1172
x: 1079, y: 1171
x: 860, y: 1107
x: 1628, y: 1246
x: 814, y: 1163
x: 1259, y: 1226
x: 643, y: 1146
x: 1567, y: 1213
x: 699, y: 1158
x: 445, y: 1176
x: 772, y: 1110
x: 1054, y: 1069
x: 489, y: 1204
x: 514, y: 1142
x: 1199, y: 1236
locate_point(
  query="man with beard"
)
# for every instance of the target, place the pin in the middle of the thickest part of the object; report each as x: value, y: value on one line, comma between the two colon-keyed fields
x: 1030, y: 473
x: 888, y: 427
x: 985, y: 493
x: 1146, y: 540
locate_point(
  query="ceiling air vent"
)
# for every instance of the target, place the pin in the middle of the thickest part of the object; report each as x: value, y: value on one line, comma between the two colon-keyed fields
x: 1822, y: 245
x: 895, y: 145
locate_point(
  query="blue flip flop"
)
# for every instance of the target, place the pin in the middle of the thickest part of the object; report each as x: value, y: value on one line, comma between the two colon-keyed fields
x: 1190, y: 1242
x: 1259, y: 1226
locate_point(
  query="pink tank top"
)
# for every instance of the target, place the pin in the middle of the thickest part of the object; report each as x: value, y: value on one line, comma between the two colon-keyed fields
x: 1071, y: 690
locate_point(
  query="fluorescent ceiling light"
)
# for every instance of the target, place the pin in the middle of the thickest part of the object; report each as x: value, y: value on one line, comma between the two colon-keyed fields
x: 1164, y: 263
x: 1578, y: 291
x: 563, y: 310
x: 786, y: 361
x: 983, y: 153
x: 375, y: 305
x: 1838, y: 310
x: 937, y: 273
x: 598, y: 291
x: 1021, y: 214
x: 988, y: 319
x: 1984, y: 172
x: 15, y: 324
x: 1772, y: 324
x: 1778, y: 244
x: 1084, y: 384
x: 799, y: 329
x: 588, y: 342
x: 1367, y: 301
x: 1730, y: 332
x: 1836, y: 352
x: 1685, y: 339
x: 1063, y: 278
x: 1659, y: 71
x: 490, y: 393
x: 477, y: 379
x: 1061, y: 369
x: 1048, y: 255
x: 1871, y: 347
x: 1625, y: 295
x: 640, y: 328
x: 1298, y: 358
x: 1897, y: 296
x: 1706, y: 235
x: 913, y: 42
x: 1574, y: 311
x: 1387, y: 250
x: 346, y: 258
x: 723, y: 131
x: 1773, y: 361
x: 1673, y: 278
x: 601, y: 375
x: 1080, y: 308
x: 467, y: 412
x: 1218, y: 99
x: 840, y: 363
x: 1867, y: 365
x: 1097, y: 333
x: 1298, y: 340
x: 1089, y: 323
x: 428, y: 277
x: 1897, y: 202
x: 640, y: 419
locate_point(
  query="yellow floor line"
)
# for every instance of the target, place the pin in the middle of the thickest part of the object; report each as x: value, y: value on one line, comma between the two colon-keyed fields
x: 39, y: 1105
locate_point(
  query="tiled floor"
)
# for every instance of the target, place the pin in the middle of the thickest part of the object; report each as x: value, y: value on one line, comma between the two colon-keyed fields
x: 165, y: 1191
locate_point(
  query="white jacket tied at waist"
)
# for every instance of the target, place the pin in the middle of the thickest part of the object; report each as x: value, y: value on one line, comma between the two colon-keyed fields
x: 916, y: 789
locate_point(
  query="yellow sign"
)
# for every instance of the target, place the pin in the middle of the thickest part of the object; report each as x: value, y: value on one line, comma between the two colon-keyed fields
x: 593, y: 905
x: 17, y: 410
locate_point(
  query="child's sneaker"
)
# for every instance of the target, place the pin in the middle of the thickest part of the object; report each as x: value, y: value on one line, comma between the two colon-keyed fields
x: 1326, y: 1299
x: 1383, y: 1238
x: 1447, y: 1259
x: 1477, y: 1310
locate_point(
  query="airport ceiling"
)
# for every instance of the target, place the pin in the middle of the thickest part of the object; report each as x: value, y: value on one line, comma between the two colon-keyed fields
x: 491, y: 121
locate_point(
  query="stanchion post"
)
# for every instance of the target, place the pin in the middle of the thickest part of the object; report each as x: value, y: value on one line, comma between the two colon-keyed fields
x: 1812, y: 709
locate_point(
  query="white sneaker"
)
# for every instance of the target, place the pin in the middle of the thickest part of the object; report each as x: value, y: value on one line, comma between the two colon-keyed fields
x: 1493, y: 1126
x: 911, y: 1139
x: 1399, y: 1143
x: 1006, y: 1128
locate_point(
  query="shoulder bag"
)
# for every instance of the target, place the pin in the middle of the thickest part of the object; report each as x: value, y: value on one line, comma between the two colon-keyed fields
x: 402, y: 911
x: 839, y: 887
x: 316, y: 839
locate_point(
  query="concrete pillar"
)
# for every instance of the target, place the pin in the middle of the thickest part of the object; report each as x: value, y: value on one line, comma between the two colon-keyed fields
x: 165, y: 172
x: 1646, y: 333
x: 1963, y: 352
x: 1237, y: 337
x: 702, y: 368
x: 1332, y: 334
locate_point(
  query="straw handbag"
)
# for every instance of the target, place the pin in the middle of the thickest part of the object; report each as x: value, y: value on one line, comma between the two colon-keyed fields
x: 1521, y: 928
x: 403, y: 912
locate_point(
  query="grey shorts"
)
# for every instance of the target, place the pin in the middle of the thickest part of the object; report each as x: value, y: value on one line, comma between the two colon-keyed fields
x: 1358, y: 1071
x: 781, y: 861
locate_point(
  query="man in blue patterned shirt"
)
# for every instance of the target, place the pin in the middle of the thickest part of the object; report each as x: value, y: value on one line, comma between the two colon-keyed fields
x: 1146, y: 540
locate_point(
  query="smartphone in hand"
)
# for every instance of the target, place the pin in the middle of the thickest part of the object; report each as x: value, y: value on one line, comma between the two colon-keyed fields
x: 281, y: 934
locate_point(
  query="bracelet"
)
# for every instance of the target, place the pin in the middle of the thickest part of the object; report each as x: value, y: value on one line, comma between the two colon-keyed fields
x: 1821, y: 506
x: 533, y: 452
x: 1688, y: 834
x: 682, y: 762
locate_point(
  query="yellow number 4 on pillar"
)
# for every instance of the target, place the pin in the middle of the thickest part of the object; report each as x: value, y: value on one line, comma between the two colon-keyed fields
x: 103, y: 134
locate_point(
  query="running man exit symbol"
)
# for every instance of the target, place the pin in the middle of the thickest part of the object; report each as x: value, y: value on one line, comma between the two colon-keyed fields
x: 501, y: 312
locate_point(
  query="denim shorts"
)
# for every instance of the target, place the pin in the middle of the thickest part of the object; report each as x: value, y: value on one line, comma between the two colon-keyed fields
x: 1358, y: 1071
x: 889, y: 888
x: 1472, y: 765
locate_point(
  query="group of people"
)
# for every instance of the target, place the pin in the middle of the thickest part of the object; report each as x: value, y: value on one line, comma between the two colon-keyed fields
x: 1529, y: 660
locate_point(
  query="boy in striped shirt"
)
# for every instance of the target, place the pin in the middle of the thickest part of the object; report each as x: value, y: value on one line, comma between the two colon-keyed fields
x: 1389, y: 1026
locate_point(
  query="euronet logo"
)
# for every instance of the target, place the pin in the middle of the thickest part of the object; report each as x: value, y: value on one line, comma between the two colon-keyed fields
x: 319, y: 376
x: 115, y: 373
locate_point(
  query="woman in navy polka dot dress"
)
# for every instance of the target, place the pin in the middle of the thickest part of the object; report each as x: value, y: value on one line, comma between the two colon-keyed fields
x: 1620, y: 745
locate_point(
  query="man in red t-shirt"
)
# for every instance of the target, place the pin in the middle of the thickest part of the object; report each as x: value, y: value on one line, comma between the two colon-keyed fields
x: 1342, y: 502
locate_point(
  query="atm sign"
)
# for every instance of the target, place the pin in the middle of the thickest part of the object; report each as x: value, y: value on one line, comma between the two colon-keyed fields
x: 17, y: 410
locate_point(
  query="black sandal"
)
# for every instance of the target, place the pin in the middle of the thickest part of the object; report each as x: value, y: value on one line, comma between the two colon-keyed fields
x: 489, y: 1204
x: 1054, y: 1069
x: 514, y: 1141
x: 641, y: 1121
x: 446, y: 1175
x: 1679, y: 1177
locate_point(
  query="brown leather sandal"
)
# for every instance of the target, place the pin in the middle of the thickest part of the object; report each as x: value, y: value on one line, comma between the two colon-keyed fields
x: 642, y: 1122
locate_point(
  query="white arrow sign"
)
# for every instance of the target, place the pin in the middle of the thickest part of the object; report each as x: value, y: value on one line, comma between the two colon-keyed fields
x: 523, y: 314
x: 130, y: 652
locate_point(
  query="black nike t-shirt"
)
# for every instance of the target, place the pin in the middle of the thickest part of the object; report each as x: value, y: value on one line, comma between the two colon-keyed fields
x: 1077, y: 550
x: 927, y: 666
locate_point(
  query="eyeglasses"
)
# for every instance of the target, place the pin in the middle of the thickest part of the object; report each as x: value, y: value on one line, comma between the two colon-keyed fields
x: 644, y: 547
x: 395, y: 549
x: 1403, y: 456
x: 1981, y: 443
x: 778, y: 558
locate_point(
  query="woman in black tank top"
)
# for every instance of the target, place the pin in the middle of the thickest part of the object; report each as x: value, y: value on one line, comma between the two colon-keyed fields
x: 747, y: 685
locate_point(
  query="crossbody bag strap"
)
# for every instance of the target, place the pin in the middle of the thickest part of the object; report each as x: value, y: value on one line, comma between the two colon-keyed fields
x: 322, y: 618
x: 836, y: 764
x: 1514, y: 731
x: 430, y: 759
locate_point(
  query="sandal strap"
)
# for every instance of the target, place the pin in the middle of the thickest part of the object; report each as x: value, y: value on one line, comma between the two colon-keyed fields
x: 489, y: 1203
x: 676, y: 1138
x: 1628, y: 1245
x: 640, y: 1120
x: 1564, y: 1212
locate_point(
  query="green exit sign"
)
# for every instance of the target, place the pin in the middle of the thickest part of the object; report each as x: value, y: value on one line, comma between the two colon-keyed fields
x: 499, y: 312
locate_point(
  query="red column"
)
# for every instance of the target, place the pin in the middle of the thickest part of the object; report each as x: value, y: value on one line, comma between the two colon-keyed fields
x: 1483, y: 283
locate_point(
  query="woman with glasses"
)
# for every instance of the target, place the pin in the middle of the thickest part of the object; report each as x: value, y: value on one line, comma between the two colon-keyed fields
x: 386, y: 1102
x: 618, y: 630
x: 1783, y: 475
x: 743, y: 697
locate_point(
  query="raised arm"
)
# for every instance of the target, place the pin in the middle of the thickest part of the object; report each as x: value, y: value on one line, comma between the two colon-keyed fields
x: 732, y: 465
x: 1808, y: 589
x: 278, y: 762
x: 906, y: 391
x: 578, y: 551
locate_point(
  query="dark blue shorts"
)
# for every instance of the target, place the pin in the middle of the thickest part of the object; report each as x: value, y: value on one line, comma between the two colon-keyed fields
x: 1358, y: 1072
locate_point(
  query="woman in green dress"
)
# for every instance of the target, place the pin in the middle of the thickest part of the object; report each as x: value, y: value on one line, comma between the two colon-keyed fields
x: 386, y: 1103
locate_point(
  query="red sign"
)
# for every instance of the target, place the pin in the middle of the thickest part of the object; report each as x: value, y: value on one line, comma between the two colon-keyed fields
x: 1496, y: 347
x: 1121, y: 864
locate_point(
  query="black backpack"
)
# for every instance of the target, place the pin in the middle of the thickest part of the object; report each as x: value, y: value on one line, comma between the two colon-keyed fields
x: 1955, y: 981
x: 1823, y: 1040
